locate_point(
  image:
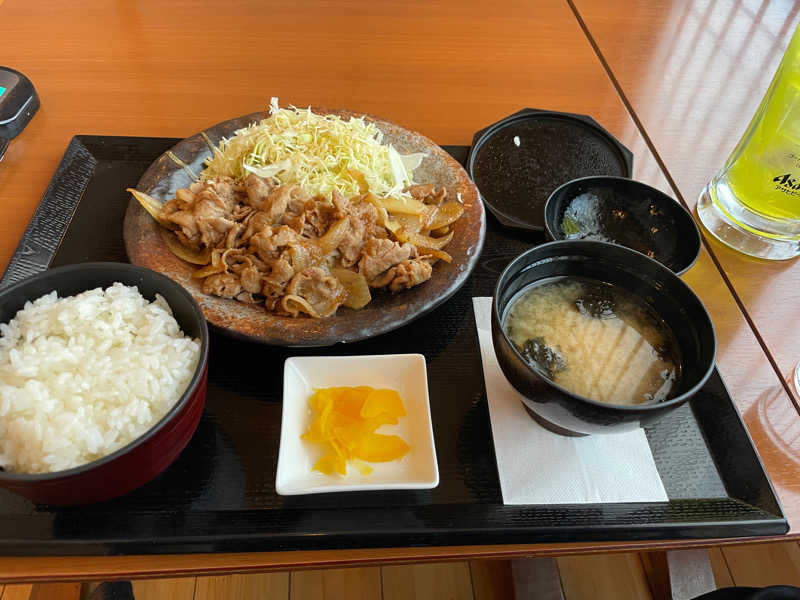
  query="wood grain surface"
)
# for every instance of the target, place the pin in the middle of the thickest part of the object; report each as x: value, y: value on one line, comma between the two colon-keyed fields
x: 443, y: 68
x: 265, y: 586
x: 604, y: 576
x: 589, y: 577
x: 427, y: 581
x: 491, y: 579
x: 22, y: 591
x: 176, y: 589
x: 334, y: 584
x: 698, y: 73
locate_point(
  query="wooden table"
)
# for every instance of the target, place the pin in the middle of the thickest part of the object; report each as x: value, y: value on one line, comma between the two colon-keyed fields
x: 668, y: 78
x: 694, y: 81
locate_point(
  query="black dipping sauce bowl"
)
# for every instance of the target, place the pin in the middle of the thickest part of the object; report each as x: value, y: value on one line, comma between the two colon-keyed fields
x: 670, y: 298
x: 624, y: 212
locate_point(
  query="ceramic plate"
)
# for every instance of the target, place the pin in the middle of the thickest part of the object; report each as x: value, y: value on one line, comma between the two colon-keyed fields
x: 386, y: 311
x: 402, y: 372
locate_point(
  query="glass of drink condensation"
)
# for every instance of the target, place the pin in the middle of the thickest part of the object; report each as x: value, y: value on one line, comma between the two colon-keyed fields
x: 753, y: 202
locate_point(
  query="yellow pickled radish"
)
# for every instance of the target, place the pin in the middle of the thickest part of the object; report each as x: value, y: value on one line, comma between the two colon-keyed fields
x: 345, y: 423
x: 376, y: 447
x: 383, y: 401
x: 325, y: 464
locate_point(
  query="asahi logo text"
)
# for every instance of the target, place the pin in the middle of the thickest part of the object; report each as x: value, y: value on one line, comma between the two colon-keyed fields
x: 787, y: 181
x: 787, y: 184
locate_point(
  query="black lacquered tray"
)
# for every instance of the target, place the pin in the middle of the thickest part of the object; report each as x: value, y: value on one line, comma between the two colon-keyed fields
x: 220, y: 493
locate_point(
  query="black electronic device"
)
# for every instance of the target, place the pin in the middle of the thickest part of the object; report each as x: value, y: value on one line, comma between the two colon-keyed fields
x: 18, y: 103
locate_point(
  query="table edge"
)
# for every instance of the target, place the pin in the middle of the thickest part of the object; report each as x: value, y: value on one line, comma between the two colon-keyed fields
x: 103, y: 568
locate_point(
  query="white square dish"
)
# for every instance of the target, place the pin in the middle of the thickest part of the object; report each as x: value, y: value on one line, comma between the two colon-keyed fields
x: 405, y: 373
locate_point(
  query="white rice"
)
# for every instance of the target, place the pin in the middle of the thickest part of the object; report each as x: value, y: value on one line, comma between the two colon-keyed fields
x: 82, y: 376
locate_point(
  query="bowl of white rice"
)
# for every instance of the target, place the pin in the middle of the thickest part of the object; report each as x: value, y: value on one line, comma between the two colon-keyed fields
x: 102, y: 380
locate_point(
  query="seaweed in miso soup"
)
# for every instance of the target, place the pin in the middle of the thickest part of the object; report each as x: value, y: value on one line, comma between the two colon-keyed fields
x: 595, y: 339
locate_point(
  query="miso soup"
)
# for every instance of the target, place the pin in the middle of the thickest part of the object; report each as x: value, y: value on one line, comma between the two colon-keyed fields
x: 594, y: 339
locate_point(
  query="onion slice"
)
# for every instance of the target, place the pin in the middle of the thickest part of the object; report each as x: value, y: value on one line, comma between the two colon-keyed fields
x: 406, y: 206
x: 151, y: 205
x: 447, y: 213
x: 409, y: 223
x: 294, y: 305
x: 334, y: 236
x: 196, y: 257
x: 358, y: 295
x: 423, y: 241
x: 440, y: 254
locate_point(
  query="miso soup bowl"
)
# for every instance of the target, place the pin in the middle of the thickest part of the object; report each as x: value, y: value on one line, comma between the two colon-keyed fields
x: 670, y: 298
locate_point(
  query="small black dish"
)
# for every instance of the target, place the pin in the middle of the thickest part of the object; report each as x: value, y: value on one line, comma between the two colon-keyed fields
x: 670, y: 298
x: 625, y: 212
x: 518, y: 161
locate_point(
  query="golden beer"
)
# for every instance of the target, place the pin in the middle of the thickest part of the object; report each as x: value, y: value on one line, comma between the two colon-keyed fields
x: 753, y: 203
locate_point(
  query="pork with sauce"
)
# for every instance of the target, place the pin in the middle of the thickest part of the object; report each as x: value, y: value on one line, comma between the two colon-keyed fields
x: 264, y: 238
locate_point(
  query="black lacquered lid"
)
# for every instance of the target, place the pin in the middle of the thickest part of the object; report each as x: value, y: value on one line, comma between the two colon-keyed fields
x: 517, y: 162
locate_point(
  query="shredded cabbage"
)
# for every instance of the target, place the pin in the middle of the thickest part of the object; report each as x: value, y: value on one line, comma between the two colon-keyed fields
x: 319, y: 152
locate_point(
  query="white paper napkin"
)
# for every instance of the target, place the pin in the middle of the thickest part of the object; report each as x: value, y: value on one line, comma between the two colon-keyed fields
x: 537, y: 466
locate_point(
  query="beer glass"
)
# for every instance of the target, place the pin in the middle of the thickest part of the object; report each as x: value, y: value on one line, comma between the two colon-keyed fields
x: 753, y: 203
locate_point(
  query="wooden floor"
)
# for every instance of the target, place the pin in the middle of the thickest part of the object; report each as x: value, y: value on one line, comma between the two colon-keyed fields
x: 599, y: 577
